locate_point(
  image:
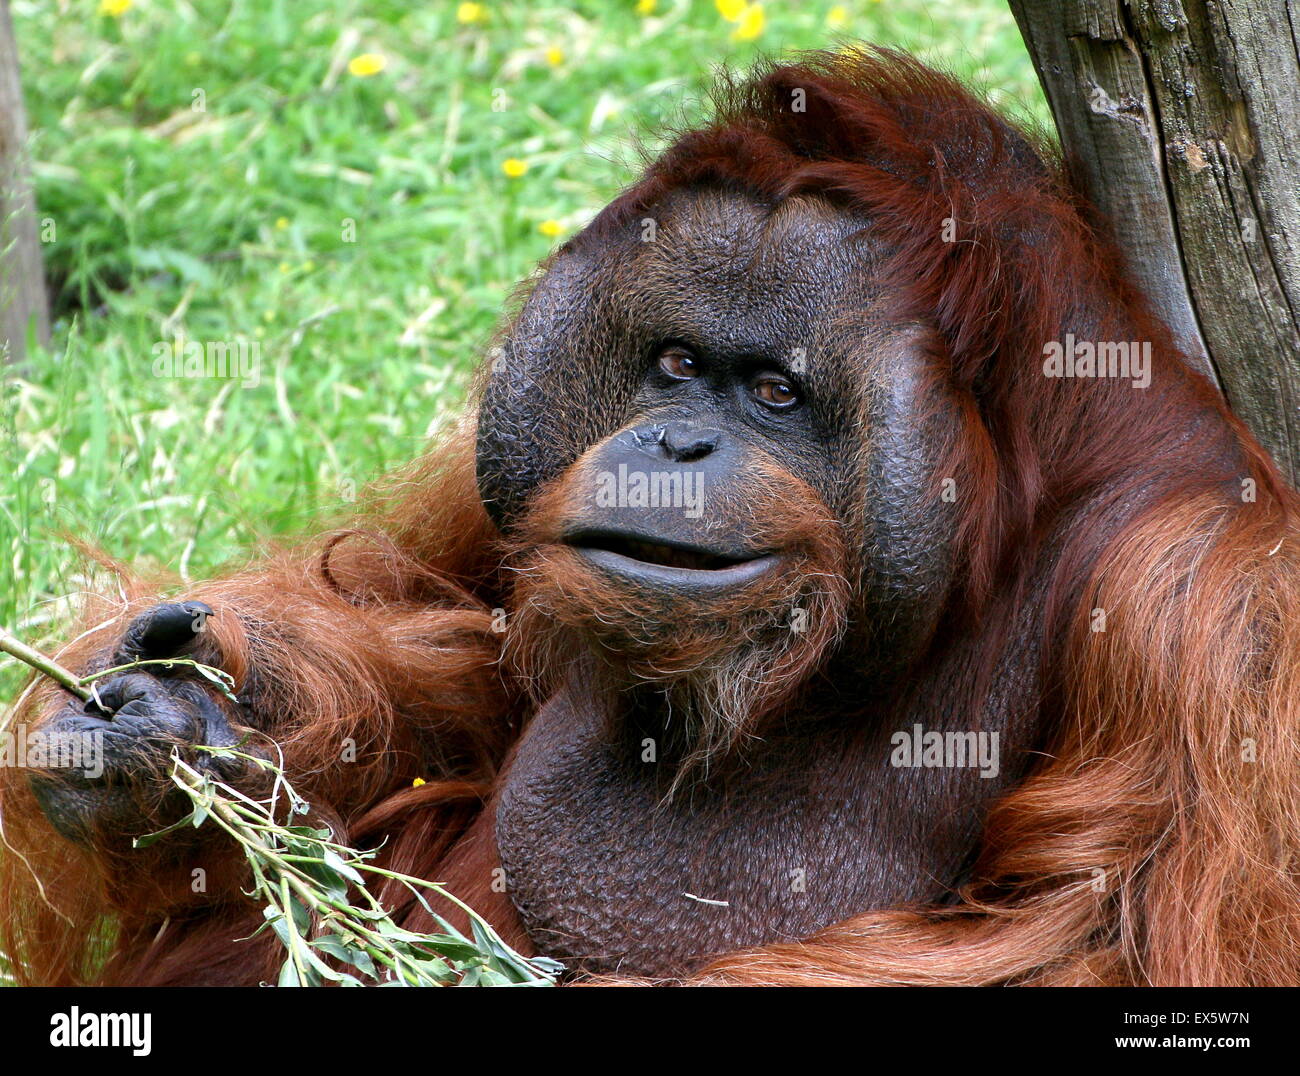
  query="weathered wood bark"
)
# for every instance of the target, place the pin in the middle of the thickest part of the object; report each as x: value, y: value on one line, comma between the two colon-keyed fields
x: 1183, y: 118
x: 22, y: 285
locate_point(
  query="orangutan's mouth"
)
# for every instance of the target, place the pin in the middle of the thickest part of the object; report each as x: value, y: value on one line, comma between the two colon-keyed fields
x: 642, y: 557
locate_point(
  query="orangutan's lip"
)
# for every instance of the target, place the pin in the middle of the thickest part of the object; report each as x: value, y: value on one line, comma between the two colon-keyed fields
x: 654, y: 550
x: 665, y: 575
x: 667, y: 563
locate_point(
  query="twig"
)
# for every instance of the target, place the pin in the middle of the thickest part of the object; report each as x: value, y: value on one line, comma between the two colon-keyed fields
x: 65, y: 678
x: 304, y: 877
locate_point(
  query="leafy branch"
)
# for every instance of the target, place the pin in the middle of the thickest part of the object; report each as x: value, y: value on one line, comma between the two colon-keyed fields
x: 315, y: 892
x: 306, y: 879
x: 84, y: 686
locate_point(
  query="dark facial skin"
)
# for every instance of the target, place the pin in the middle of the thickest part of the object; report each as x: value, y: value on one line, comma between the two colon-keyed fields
x: 757, y: 350
x: 760, y: 305
x: 589, y: 345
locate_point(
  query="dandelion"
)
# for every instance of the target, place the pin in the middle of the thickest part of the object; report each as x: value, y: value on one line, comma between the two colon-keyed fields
x: 514, y: 167
x: 114, y: 9
x: 281, y: 224
x: 284, y: 267
x: 751, y: 24
x: 645, y: 7
x: 367, y: 64
x: 837, y: 16
x: 731, y: 10
x: 551, y: 228
x: 469, y: 13
x: 554, y: 56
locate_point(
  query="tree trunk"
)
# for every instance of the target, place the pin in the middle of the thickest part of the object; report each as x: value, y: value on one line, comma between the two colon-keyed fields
x: 1182, y: 118
x: 22, y: 285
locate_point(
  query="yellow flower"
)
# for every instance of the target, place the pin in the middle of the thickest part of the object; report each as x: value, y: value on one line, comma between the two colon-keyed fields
x: 554, y: 56
x: 551, y: 228
x: 731, y: 10
x: 751, y: 24
x: 468, y: 13
x: 281, y: 223
x: 514, y: 167
x: 284, y: 267
x: 837, y: 17
x: 367, y: 64
x: 419, y: 780
x: 645, y: 7
x: 114, y: 9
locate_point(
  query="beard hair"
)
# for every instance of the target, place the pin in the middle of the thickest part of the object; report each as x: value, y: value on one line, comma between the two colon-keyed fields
x: 707, y: 680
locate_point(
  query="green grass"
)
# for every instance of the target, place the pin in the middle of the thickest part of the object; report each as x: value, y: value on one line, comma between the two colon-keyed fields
x: 228, y: 223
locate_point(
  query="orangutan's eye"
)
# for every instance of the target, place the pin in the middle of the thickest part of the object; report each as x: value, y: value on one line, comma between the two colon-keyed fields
x: 775, y: 391
x: 679, y: 364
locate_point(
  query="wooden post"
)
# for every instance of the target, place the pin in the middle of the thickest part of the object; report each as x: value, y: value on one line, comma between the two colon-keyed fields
x: 22, y: 284
x: 1182, y: 118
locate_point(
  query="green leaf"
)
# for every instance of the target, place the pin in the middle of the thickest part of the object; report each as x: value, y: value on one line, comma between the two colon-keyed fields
x: 333, y: 859
x: 278, y: 924
x: 333, y: 945
x: 453, y: 948
x: 318, y: 967
x: 317, y: 868
x: 492, y: 977
x: 310, y: 832
x: 152, y: 838
x: 302, y: 917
